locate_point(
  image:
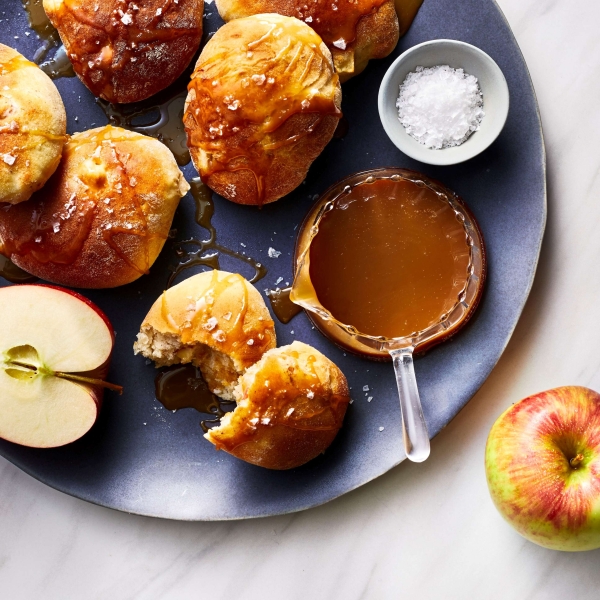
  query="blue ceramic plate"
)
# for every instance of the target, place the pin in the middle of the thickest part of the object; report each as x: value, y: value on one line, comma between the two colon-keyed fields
x: 143, y: 459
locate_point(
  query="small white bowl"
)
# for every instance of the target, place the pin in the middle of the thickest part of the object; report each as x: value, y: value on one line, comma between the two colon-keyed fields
x: 458, y: 55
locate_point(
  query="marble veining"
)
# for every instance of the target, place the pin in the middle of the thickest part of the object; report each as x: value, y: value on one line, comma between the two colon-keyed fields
x: 421, y: 531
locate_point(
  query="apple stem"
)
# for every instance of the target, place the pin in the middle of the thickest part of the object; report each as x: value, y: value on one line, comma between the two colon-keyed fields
x: 70, y: 376
x: 90, y: 381
x: 576, y: 461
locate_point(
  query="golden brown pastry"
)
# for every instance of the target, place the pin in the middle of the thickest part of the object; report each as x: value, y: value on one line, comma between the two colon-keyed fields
x: 290, y: 406
x: 263, y: 102
x: 104, y: 216
x: 32, y: 127
x: 354, y: 30
x: 124, y: 50
x: 215, y: 320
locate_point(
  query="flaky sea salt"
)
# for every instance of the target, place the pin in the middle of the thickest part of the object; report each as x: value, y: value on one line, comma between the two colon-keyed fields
x: 440, y: 107
x: 219, y: 336
x: 210, y: 324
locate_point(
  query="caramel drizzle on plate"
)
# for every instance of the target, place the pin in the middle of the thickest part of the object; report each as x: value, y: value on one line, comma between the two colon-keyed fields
x: 208, y: 251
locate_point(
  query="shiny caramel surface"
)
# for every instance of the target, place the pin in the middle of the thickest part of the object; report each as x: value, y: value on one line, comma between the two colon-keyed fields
x: 12, y: 273
x: 252, y: 77
x: 51, y: 231
x: 206, y: 252
x: 283, y: 308
x: 294, y: 388
x: 335, y: 21
x: 218, y: 309
x: 183, y: 386
x: 390, y: 258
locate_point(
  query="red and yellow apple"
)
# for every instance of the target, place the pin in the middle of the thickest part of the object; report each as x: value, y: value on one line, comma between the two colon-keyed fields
x: 55, y: 349
x: 542, y: 463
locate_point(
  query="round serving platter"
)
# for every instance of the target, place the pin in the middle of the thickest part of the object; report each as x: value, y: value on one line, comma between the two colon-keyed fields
x: 143, y: 459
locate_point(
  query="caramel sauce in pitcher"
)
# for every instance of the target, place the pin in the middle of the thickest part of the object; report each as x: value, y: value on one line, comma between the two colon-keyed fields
x: 391, y: 257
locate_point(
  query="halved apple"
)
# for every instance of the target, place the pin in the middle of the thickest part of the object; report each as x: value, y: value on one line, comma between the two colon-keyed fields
x: 55, y: 349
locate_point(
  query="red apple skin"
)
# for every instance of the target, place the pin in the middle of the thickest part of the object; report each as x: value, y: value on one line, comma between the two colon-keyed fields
x: 529, y: 474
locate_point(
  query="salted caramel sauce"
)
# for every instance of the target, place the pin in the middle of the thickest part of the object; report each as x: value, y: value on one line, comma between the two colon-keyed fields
x: 206, y: 253
x: 39, y: 22
x: 183, y: 386
x: 60, y: 65
x: 390, y: 258
x: 36, y: 224
x: 232, y: 113
x: 389, y: 216
x: 285, y: 310
x: 407, y: 11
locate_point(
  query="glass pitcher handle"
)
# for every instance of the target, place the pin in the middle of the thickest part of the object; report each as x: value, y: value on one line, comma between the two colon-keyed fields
x: 416, y: 438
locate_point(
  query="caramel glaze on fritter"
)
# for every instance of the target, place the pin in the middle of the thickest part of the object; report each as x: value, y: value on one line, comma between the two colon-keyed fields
x: 355, y: 31
x: 102, y: 218
x: 264, y: 101
x: 127, y: 51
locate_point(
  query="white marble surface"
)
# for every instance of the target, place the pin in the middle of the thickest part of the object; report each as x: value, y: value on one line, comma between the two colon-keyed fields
x: 422, y: 532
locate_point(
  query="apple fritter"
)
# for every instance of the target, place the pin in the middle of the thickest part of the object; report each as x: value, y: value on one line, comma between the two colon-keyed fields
x: 263, y: 102
x: 32, y: 127
x: 103, y: 217
x: 127, y: 51
x: 354, y: 30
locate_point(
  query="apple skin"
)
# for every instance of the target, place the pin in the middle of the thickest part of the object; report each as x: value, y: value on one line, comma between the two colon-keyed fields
x: 530, y: 477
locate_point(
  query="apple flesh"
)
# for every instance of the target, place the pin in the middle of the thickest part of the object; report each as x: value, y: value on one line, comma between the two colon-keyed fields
x: 55, y: 349
x: 542, y: 463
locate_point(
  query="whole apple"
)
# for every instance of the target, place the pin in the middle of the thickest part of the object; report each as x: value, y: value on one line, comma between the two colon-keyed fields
x: 542, y: 462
